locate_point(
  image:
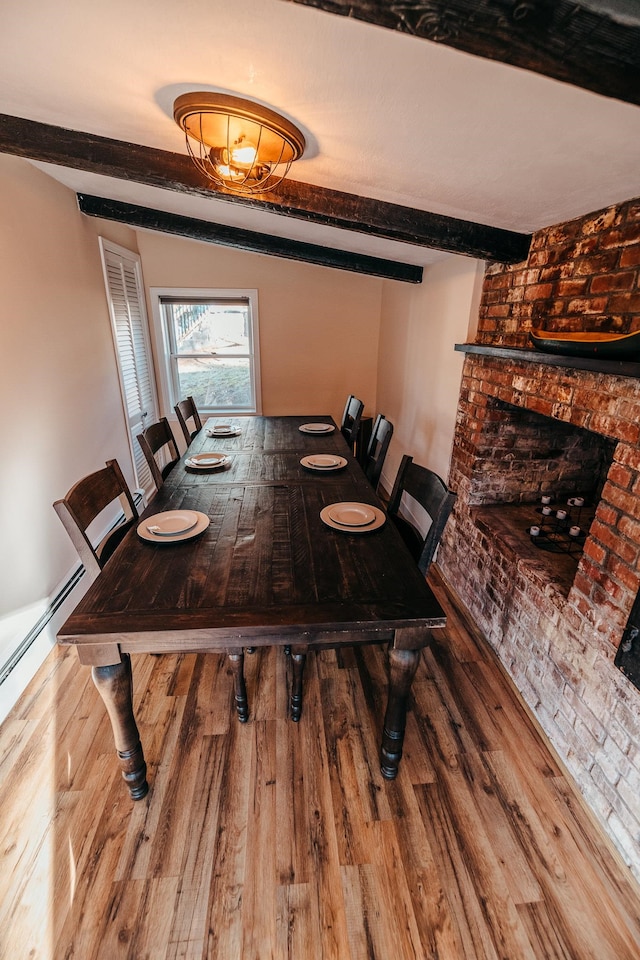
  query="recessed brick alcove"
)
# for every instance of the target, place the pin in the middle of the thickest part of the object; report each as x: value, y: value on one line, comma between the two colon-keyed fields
x: 522, y: 456
x: 525, y: 428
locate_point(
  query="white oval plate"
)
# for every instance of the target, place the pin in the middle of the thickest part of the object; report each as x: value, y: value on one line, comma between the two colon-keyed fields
x: 316, y: 428
x: 162, y: 520
x: 352, y: 514
x: 206, y: 461
x: 173, y: 522
x: 375, y: 524
x: 223, y: 432
x: 323, y: 461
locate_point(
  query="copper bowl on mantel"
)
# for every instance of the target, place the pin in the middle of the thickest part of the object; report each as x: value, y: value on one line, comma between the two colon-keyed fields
x: 615, y: 346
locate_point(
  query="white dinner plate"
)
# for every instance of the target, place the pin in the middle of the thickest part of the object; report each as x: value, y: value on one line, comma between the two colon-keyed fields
x: 223, y: 432
x: 173, y: 522
x: 352, y: 514
x: 316, y: 428
x: 165, y: 521
x: 323, y: 461
x: 363, y: 526
x: 207, y: 461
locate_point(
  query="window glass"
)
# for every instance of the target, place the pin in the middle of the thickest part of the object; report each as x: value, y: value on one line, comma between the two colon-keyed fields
x: 215, y: 382
x: 212, y: 357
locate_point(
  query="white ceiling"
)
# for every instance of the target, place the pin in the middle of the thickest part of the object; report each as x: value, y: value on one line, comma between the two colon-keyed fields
x: 385, y: 115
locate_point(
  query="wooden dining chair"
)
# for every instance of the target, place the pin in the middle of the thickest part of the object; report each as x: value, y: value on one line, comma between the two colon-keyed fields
x: 351, y: 420
x: 84, y: 503
x: 377, y: 449
x: 160, y: 450
x: 426, y: 503
x: 186, y: 410
x: 421, y: 493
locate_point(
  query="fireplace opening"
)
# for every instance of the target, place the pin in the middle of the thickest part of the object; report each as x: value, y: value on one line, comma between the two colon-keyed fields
x: 522, y: 457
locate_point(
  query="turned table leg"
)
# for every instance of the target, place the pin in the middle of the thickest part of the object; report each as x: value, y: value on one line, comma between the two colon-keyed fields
x: 239, y: 686
x: 115, y: 686
x: 402, y: 668
x: 298, y: 661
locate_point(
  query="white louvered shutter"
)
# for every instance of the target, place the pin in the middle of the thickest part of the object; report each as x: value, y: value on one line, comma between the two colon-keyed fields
x: 129, y: 321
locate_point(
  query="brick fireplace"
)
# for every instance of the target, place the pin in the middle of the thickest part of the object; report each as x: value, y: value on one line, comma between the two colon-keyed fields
x: 532, y: 424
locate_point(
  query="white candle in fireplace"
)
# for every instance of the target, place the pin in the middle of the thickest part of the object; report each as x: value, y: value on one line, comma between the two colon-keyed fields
x: 561, y: 514
x: 546, y: 511
x: 534, y: 531
x: 546, y: 500
x: 578, y: 501
x: 574, y: 531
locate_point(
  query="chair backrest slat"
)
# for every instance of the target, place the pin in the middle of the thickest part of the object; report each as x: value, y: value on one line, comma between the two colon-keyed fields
x: 351, y: 419
x: 187, y: 410
x: 84, y: 502
x: 431, y: 493
x: 156, y: 438
x: 377, y: 449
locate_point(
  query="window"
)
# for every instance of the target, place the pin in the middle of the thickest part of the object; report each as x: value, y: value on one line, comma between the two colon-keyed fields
x: 210, y: 341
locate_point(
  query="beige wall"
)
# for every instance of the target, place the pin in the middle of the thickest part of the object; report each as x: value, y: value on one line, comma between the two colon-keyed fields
x: 418, y: 370
x: 59, y: 397
x: 323, y: 333
x: 318, y: 327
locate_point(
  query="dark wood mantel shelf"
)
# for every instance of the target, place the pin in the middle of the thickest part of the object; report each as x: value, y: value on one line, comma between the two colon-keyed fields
x: 620, y: 368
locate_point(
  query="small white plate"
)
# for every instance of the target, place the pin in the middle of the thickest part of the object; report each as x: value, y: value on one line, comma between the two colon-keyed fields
x: 206, y: 461
x: 173, y: 525
x: 316, y: 428
x: 352, y: 514
x: 323, y: 461
x: 378, y: 520
x: 223, y: 431
x: 172, y: 522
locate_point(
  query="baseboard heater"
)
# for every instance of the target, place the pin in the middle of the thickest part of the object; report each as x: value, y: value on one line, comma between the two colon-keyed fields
x: 67, y: 588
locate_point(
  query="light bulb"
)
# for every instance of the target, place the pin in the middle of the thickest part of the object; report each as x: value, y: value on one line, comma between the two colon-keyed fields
x: 225, y: 172
x: 243, y: 154
x: 239, y: 163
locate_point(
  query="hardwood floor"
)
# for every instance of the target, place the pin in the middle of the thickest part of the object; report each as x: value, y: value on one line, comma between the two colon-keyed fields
x: 281, y: 840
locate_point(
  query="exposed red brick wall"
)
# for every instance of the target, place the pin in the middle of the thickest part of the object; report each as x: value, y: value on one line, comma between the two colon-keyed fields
x: 559, y: 644
x: 609, y: 574
x: 581, y: 275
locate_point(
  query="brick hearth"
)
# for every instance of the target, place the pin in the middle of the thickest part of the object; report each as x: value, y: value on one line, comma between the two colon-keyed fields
x: 557, y: 627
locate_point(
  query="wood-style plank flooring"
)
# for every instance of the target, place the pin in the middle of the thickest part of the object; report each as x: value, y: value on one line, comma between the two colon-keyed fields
x: 281, y: 840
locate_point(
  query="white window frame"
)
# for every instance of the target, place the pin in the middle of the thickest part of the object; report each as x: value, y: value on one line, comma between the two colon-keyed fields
x: 162, y: 336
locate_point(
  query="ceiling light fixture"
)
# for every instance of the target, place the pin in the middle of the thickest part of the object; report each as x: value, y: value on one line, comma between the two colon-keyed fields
x: 237, y: 143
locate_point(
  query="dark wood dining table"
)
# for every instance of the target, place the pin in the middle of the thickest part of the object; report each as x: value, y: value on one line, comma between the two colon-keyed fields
x: 266, y: 571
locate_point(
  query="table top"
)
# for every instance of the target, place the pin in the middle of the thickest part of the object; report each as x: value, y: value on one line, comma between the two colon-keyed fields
x: 266, y: 569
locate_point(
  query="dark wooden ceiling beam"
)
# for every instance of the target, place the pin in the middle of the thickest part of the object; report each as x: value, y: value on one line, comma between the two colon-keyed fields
x: 595, y: 45
x: 247, y: 240
x: 303, y: 201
